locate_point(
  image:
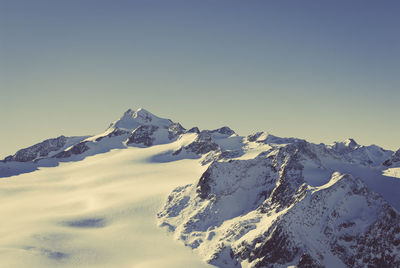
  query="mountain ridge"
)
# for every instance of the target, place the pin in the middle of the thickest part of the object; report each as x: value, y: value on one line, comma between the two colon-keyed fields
x: 132, y: 119
x: 243, y: 209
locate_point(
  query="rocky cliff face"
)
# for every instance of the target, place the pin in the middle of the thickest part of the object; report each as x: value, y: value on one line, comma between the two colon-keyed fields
x: 287, y: 206
x: 74, y: 150
x: 394, y: 160
x: 39, y: 150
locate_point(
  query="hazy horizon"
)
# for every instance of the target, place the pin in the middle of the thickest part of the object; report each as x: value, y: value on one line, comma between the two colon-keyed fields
x: 321, y: 71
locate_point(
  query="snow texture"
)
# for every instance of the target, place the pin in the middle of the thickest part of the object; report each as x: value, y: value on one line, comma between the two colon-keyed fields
x: 255, y: 201
x: 291, y: 202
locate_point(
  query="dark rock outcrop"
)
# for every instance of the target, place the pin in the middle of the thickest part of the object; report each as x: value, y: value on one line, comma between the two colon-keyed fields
x: 175, y: 130
x: 202, y: 144
x: 194, y: 130
x: 394, y: 159
x: 38, y: 150
x: 306, y: 261
x: 223, y: 130
x: 115, y: 133
x: 74, y: 150
x: 203, y: 186
x: 288, y: 221
x: 142, y: 135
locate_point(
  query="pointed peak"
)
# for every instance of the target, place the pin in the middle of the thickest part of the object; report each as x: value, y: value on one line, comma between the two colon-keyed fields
x: 351, y: 143
x: 132, y: 119
x: 140, y: 111
x: 145, y: 115
x: 340, y: 181
x: 345, y: 145
x: 268, y: 138
x: 129, y: 112
x: 224, y: 131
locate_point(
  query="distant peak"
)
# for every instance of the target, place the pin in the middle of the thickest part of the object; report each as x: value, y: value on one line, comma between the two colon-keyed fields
x: 132, y: 119
x: 139, y: 113
x: 141, y: 109
x: 144, y: 115
x: 223, y: 130
x: 346, y: 145
x: 267, y: 138
x: 351, y: 143
x: 129, y: 112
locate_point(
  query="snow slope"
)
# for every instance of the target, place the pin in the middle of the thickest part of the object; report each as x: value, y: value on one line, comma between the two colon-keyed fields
x: 99, y: 212
x: 255, y: 201
x: 286, y: 202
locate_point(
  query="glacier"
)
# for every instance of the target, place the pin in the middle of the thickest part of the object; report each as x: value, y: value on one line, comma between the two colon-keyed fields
x: 133, y: 195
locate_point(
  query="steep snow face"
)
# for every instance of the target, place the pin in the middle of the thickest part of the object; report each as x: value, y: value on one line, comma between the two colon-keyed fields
x: 261, y: 212
x: 286, y: 202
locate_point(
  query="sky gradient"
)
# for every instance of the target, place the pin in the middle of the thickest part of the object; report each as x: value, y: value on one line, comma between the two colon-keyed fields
x: 319, y: 70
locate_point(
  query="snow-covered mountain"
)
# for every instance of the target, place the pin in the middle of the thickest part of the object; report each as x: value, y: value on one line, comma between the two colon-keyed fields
x: 394, y: 160
x: 255, y: 201
x: 292, y: 204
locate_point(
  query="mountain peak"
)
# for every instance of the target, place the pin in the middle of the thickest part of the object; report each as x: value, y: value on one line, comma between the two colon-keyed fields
x: 144, y: 115
x: 348, y: 144
x: 138, y: 112
x: 132, y: 119
x: 351, y: 143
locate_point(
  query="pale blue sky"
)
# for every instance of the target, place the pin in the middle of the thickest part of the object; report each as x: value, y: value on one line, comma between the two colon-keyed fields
x: 319, y: 70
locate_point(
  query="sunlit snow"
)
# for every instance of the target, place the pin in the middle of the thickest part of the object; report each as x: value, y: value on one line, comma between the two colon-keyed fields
x: 99, y: 212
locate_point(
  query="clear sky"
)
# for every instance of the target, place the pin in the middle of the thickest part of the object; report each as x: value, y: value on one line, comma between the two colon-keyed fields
x: 319, y: 70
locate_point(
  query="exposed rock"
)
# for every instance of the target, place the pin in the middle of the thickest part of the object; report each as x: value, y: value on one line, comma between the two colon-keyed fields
x: 115, y: 133
x: 203, y: 144
x: 276, y: 247
x: 264, y: 201
x: 203, y: 186
x: 394, y: 159
x: 38, y: 150
x: 143, y: 135
x: 132, y: 119
x: 254, y: 137
x: 347, y: 145
x: 263, y: 212
x: 306, y: 261
x: 194, y: 130
x: 74, y: 150
x: 223, y: 130
x: 175, y: 130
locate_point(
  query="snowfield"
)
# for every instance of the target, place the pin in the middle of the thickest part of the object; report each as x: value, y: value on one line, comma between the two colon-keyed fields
x: 98, y: 212
x: 135, y: 194
x: 392, y: 172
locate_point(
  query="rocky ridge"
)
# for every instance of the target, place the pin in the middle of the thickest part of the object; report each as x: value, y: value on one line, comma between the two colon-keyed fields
x: 264, y: 201
x: 270, y: 211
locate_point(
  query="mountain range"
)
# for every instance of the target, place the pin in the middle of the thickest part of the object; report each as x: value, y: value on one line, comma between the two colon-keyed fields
x: 251, y: 201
